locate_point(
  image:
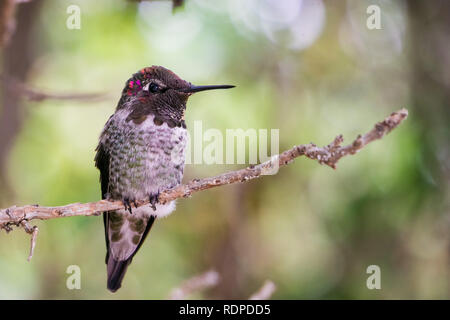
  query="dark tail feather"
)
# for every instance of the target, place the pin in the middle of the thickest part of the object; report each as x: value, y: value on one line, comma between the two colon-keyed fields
x: 116, y: 270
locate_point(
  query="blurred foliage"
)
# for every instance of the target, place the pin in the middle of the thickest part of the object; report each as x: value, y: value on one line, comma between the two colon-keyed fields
x: 310, y: 68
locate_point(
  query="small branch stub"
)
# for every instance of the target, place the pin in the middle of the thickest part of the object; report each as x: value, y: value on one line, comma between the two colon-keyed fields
x: 33, y: 230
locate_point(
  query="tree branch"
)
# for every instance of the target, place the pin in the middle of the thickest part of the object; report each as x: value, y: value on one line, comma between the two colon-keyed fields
x: 328, y: 155
x: 23, y: 90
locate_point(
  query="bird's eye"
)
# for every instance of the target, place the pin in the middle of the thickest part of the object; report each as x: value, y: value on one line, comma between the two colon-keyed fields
x: 153, y: 87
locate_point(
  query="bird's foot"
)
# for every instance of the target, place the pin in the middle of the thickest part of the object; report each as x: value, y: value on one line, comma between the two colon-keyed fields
x: 127, y: 204
x: 154, y: 199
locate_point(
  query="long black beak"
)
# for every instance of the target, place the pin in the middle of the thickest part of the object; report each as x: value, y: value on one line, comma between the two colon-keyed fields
x: 193, y: 88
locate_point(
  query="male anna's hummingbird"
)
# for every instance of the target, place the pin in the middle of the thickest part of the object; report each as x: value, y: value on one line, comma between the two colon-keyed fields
x: 140, y: 153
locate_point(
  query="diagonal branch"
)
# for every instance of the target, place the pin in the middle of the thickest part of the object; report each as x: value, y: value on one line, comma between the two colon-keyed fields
x: 265, y: 292
x: 328, y: 155
x: 197, y: 283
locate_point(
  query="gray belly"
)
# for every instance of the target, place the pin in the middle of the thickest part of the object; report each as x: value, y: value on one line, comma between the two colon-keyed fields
x: 144, y: 158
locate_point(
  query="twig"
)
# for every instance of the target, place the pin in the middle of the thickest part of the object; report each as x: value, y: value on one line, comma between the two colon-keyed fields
x: 328, y: 155
x: 34, y: 94
x: 265, y: 292
x: 33, y: 230
x: 200, y: 282
x: 175, y: 3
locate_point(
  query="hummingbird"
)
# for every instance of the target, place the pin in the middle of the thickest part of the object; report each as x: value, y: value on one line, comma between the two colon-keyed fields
x: 141, y: 152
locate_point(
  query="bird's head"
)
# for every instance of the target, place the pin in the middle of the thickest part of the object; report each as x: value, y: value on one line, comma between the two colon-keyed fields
x: 158, y: 91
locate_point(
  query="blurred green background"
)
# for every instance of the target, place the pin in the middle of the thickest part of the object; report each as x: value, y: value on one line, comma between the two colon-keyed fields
x: 311, y: 68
